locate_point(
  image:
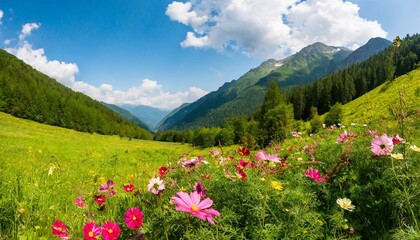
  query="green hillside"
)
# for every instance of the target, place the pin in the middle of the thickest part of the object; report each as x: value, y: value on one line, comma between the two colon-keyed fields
x: 374, y: 106
x: 27, y: 93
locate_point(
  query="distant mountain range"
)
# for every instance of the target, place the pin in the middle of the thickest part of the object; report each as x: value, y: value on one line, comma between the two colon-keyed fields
x: 245, y: 95
x: 128, y: 115
x: 149, y: 115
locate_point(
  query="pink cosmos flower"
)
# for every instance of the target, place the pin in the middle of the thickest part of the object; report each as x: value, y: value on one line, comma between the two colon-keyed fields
x: 373, y: 133
x: 80, y: 202
x: 191, y: 163
x: 108, y: 187
x: 192, y: 204
x: 265, y: 156
x: 133, y: 218
x: 276, y: 148
x: 214, y: 153
x: 344, y: 137
x: 99, y: 199
x: 110, y: 231
x: 156, y: 185
x: 382, y: 145
x: 315, y: 175
x: 199, y: 188
x: 296, y: 134
x: 91, y: 231
x: 60, y: 230
x: 129, y: 187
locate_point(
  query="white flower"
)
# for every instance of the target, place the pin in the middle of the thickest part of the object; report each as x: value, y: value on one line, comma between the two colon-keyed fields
x: 398, y: 156
x: 345, y: 203
x: 156, y: 185
x: 415, y: 148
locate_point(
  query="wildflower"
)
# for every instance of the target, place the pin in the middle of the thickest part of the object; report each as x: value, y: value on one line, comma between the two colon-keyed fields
x: 214, y: 153
x: 315, y: 175
x: 296, y: 134
x: 373, y: 133
x: 397, y: 156
x: 344, y: 137
x: 163, y: 171
x: 129, y: 187
x: 108, y: 187
x: 397, y: 139
x: 99, y: 199
x: 191, y: 163
x: 80, y: 202
x: 353, y: 124
x: 133, y: 218
x: 199, y: 188
x: 345, y: 204
x: 37, y: 227
x: 156, y: 185
x: 415, y: 148
x: 243, y: 151
x: 276, y: 148
x: 276, y: 185
x: 91, y: 231
x: 265, y: 156
x: 60, y: 230
x: 192, y: 204
x: 110, y: 231
x: 382, y: 145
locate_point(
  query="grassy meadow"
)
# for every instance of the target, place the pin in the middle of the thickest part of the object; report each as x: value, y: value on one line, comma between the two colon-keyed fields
x: 296, y: 189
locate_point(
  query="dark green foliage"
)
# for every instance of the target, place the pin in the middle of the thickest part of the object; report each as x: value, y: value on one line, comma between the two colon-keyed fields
x: 334, y: 116
x: 316, y: 123
x: 27, y: 93
x: 205, y: 137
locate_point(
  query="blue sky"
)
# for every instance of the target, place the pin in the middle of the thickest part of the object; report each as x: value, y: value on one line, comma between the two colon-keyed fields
x: 163, y: 53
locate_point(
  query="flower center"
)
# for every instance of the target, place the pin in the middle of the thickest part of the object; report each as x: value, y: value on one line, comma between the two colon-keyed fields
x: 134, y: 218
x: 156, y: 185
x: 90, y: 234
x: 59, y: 229
x: 110, y: 231
x: 194, y: 208
x: 382, y: 146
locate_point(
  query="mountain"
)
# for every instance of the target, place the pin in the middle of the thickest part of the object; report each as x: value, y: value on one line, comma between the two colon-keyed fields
x: 373, y: 46
x: 150, y: 115
x: 127, y: 115
x: 27, y: 93
x: 245, y: 95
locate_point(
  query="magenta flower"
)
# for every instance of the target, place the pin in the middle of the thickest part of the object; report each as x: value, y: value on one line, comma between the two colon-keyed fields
x: 192, y: 204
x: 382, y: 145
x: 265, y: 156
x: 397, y: 139
x: 315, y: 175
x: 133, y: 218
x: 80, y: 202
x: 99, y: 199
x: 373, y: 133
x: 129, y: 188
x: 344, y: 137
x: 276, y: 148
x: 199, y: 188
x: 243, y: 151
x: 191, y: 163
x: 110, y: 231
x: 91, y: 231
x: 60, y: 230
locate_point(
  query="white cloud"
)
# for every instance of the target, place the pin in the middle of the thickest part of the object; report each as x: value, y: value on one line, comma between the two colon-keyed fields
x: 7, y: 42
x: 149, y: 92
x: 27, y: 30
x: 272, y: 28
x: 1, y: 15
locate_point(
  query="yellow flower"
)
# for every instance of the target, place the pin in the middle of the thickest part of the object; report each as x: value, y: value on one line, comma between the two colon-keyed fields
x: 415, y: 148
x: 398, y: 156
x: 345, y: 203
x: 39, y: 151
x: 37, y: 227
x: 276, y: 185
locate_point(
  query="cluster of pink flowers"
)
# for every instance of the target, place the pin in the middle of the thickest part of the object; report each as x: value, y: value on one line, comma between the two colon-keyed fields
x: 296, y: 134
x: 316, y: 175
x: 108, y: 187
x: 310, y: 149
x: 262, y: 156
x: 109, y: 231
x: 344, y: 137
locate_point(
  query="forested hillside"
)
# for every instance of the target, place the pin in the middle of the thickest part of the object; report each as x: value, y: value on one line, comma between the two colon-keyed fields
x: 27, y: 93
x: 358, y: 79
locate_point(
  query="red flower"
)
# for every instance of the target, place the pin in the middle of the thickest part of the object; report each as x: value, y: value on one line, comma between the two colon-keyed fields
x: 199, y: 188
x: 129, y: 187
x: 162, y: 171
x: 60, y: 230
x: 110, y: 231
x: 133, y: 218
x: 91, y: 231
x: 99, y: 199
x: 244, y: 151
